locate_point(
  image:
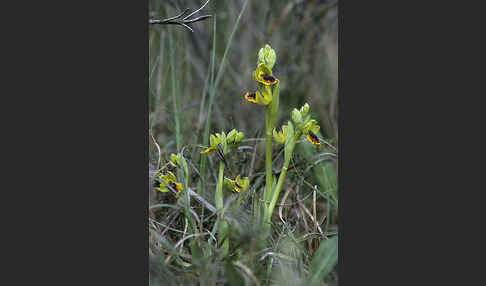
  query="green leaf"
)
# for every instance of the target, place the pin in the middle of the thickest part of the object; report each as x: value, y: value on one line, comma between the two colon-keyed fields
x: 233, y: 276
x: 164, y: 243
x: 196, y: 251
x: 324, y: 260
x: 324, y: 172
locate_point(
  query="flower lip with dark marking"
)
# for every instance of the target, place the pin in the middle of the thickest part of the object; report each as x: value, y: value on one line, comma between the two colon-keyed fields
x: 313, y: 138
x: 238, y: 185
x: 268, y: 78
x: 251, y: 96
x: 221, y: 153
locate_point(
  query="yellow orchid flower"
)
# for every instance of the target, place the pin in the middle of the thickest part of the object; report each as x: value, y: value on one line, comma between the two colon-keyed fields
x: 214, y: 140
x: 264, y: 75
x: 262, y: 98
x: 233, y: 138
x: 238, y: 184
x: 306, y: 125
x: 170, y: 180
x: 279, y: 136
x: 175, y: 159
x: 310, y: 125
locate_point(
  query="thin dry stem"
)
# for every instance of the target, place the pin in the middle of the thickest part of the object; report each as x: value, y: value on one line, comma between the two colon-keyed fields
x: 176, y: 20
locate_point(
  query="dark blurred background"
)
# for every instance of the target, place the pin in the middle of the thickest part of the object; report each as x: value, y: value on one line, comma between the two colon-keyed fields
x: 304, y: 35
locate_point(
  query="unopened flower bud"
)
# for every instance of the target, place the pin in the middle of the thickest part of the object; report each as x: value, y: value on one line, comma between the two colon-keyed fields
x: 267, y: 56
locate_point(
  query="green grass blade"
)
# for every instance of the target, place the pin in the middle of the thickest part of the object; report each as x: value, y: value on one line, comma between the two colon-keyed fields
x: 174, y: 89
x: 203, y: 99
x: 324, y: 172
x: 185, y: 184
x: 202, y: 167
x: 163, y: 78
x: 324, y: 260
x: 214, y: 84
x: 221, y: 68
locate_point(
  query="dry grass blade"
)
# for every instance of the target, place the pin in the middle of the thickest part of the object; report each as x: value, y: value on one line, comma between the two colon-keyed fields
x: 314, y: 210
x: 185, y: 18
x: 247, y: 271
x: 205, y: 203
x: 279, y: 255
x: 158, y: 150
x: 282, y: 202
x: 253, y: 157
x: 166, y: 226
x: 306, y: 210
x: 179, y: 243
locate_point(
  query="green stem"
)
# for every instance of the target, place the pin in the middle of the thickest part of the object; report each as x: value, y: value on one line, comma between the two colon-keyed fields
x: 278, y: 187
x: 218, y: 198
x: 271, y: 112
x: 273, y: 201
x: 268, y: 155
x: 240, y: 198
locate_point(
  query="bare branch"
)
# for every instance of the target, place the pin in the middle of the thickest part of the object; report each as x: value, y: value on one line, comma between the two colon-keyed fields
x: 178, y: 20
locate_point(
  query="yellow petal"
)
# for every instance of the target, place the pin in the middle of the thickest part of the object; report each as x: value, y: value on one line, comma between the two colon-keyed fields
x: 162, y: 189
x: 178, y: 187
x: 278, y: 136
x: 169, y: 177
x: 208, y: 150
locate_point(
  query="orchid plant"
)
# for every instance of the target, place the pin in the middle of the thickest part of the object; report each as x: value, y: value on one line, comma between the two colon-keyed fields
x: 220, y: 143
x: 267, y: 94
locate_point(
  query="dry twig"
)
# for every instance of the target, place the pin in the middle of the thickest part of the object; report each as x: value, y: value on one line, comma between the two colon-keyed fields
x: 178, y: 20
